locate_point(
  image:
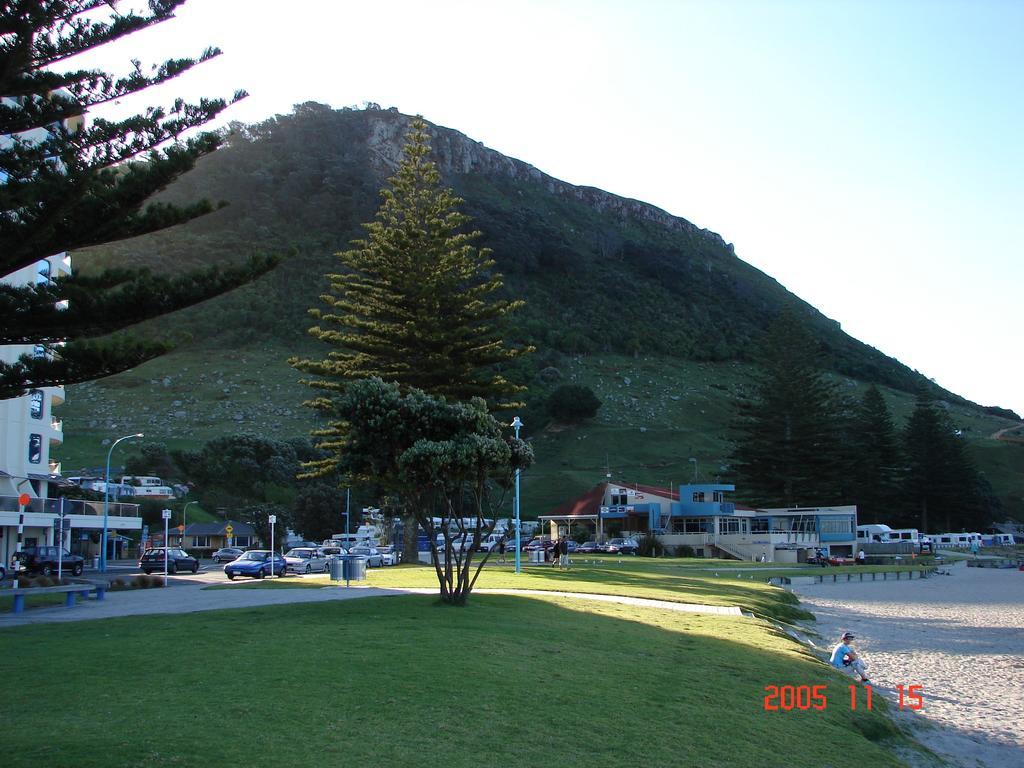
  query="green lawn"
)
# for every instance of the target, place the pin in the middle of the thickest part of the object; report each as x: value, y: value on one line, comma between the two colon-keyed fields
x: 402, y: 681
x: 633, y: 579
x: 32, y: 601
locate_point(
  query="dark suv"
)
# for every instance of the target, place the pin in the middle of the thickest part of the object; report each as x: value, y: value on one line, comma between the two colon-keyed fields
x: 177, y: 560
x: 44, y: 560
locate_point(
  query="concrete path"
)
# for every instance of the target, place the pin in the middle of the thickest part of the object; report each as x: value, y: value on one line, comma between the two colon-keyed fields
x: 192, y: 597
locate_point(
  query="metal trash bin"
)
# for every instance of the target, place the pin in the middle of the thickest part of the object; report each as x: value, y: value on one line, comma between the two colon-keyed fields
x: 334, y: 565
x: 537, y: 556
x: 353, y: 567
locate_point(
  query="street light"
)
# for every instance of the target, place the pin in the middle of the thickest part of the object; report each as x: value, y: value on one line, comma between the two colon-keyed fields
x: 517, y: 425
x: 106, y: 504
x: 183, y: 511
x: 694, y: 470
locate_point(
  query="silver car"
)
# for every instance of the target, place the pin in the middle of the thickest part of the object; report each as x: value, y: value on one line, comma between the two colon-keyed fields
x: 374, y: 558
x: 305, y: 560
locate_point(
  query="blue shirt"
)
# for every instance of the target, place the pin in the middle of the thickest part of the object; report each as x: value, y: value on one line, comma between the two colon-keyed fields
x: 837, y: 655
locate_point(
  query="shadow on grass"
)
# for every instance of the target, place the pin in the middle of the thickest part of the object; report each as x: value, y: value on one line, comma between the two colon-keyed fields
x: 403, y: 681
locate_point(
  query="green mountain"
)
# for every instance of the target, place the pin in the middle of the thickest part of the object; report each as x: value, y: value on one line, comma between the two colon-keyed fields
x: 657, y: 315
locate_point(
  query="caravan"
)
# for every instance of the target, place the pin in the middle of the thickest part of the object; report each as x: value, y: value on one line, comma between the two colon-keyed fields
x: 873, y: 534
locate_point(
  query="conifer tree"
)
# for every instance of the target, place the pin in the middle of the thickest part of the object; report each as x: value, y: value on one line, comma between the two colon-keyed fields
x: 68, y: 181
x: 941, y: 482
x: 416, y: 303
x: 874, y: 460
x: 786, y: 450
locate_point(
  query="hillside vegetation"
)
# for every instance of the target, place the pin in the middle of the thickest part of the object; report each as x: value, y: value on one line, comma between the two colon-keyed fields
x: 657, y: 316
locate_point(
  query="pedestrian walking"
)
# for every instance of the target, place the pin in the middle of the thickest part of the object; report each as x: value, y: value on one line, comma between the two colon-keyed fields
x: 501, y: 551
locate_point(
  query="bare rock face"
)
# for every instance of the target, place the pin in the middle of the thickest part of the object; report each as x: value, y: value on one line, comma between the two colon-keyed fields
x: 457, y: 154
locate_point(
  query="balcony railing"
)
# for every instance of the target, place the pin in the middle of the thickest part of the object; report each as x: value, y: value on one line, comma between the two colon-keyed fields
x: 71, y: 507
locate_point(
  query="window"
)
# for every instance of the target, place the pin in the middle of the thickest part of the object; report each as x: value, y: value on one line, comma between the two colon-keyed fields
x: 759, y: 525
x: 243, y: 541
x: 717, y: 496
x: 35, y: 403
x: 619, y: 500
x: 35, y: 448
x: 836, y: 525
x: 698, y: 497
x: 201, y: 541
x: 728, y: 525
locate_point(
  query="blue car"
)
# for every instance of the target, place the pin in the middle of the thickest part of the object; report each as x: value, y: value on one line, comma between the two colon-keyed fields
x: 258, y: 564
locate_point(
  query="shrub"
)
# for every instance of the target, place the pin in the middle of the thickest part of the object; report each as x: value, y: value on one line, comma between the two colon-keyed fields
x: 43, y: 581
x: 572, y: 403
x: 117, y: 585
x: 685, y: 550
x: 24, y: 582
x: 650, y: 546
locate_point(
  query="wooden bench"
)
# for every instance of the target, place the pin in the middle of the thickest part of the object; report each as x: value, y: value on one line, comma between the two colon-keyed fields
x: 71, y: 590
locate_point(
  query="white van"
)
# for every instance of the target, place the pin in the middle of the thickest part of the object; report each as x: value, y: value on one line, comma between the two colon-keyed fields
x: 905, y: 535
x: 873, y: 534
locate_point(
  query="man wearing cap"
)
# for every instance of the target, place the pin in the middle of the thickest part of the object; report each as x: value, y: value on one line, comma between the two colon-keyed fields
x: 844, y: 658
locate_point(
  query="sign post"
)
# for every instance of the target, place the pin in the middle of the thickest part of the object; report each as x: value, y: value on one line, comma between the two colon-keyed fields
x: 228, y: 530
x: 273, y: 520
x: 59, y: 530
x: 166, y: 515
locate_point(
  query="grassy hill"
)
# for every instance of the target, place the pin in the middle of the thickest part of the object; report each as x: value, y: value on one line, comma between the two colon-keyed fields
x: 616, y: 290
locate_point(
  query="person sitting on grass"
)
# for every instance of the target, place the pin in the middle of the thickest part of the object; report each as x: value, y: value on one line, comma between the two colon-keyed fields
x: 845, y: 659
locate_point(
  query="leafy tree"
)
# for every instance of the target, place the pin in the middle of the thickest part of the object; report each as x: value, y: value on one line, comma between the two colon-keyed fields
x: 316, y: 511
x: 572, y: 403
x: 449, y: 461
x: 875, y: 460
x: 786, y: 448
x: 66, y: 184
x: 940, y: 480
x: 249, y: 477
x: 415, y: 305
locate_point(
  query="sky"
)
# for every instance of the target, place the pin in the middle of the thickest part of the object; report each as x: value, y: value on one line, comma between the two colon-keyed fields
x: 867, y: 155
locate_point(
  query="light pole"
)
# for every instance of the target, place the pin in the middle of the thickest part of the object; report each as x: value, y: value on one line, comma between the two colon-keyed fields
x: 694, y: 470
x: 106, y: 504
x: 517, y: 425
x: 273, y: 521
x: 183, y: 511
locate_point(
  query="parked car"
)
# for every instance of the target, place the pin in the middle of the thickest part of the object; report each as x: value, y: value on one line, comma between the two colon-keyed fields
x: 571, y: 546
x: 305, y: 560
x: 44, y: 560
x: 590, y: 548
x: 227, y: 554
x: 177, y: 560
x: 257, y: 563
x: 374, y: 558
x: 538, y: 543
x: 622, y: 547
x: 330, y: 552
x: 390, y: 555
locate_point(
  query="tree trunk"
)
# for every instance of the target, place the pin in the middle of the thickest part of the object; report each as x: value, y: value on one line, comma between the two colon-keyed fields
x: 410, y: 528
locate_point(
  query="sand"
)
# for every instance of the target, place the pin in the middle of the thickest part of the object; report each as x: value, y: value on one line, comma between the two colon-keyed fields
x: 960, y: 637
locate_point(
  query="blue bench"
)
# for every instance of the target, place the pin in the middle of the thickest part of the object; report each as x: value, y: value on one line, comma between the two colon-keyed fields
x: 71, y: 590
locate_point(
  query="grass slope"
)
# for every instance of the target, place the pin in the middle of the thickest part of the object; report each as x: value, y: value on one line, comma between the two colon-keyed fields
x: 400, y: 681
x: 657, y: 413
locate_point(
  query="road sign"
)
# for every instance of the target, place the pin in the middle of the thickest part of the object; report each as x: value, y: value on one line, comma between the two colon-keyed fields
x: 229, y: 529
x: 273, y: 519
x: 165, y: 514
x: 24, y: 499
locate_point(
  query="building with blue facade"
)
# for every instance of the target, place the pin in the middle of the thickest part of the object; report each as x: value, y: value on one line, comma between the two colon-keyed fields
x: 701, y: 516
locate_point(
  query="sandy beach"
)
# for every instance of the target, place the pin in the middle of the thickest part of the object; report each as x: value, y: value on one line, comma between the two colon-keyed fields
x: 960, y: 637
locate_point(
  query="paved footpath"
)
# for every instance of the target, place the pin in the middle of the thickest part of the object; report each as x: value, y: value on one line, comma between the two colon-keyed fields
x: 190, y: 598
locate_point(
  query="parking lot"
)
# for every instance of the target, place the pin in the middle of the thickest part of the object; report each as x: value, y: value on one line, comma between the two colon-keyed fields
x: 209, y: 573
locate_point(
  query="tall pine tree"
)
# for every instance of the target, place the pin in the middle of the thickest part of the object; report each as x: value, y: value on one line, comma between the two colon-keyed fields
x: 786, y: 450
x: 415, y: 305
x: 68, y: 183
x: 942, y: 485
x: 875, y: 460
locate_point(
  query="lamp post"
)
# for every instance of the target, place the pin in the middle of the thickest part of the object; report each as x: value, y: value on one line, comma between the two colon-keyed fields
x: 183, y: 511
x: 694, y: 470
x: 106, y: 504
x: 517, y: 425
